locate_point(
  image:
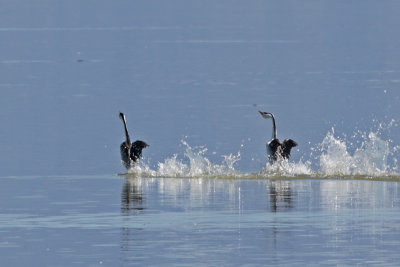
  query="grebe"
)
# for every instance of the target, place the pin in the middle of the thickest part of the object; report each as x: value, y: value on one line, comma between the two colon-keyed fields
x: 130, y: 152
x: 276, y: 149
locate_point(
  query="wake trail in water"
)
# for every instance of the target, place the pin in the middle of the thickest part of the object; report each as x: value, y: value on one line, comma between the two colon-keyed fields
x: 199, y: 165
x: 373, y: 158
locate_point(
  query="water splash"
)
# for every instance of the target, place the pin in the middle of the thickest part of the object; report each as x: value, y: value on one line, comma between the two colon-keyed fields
x: 196, y: 165
x: 285, y: 168
x: 369, y: 159
x: 334, y: 158
x: 363, y: 155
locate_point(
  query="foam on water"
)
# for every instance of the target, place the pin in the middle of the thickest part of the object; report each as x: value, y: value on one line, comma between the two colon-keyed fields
x: 371, y: 157
x: 197, y: 165
x: 287, y: 169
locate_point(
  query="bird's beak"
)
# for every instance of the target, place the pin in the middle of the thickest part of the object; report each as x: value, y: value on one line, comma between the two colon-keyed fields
x: 260, y: 112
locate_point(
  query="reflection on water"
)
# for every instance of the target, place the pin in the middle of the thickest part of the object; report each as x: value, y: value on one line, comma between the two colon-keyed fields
x: 131, y: 197
x: 197, y: 221
x: 132, y: 205
x: 280, y: 195
x: 200, y: 220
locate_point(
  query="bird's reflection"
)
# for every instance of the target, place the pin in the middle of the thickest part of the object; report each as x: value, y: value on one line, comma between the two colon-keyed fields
x: 132, y: 205
x: 280, y: 196
x: 132, y: 200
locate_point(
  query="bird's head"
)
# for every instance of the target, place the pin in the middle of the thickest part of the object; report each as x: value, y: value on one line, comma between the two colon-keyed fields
x: 121, y: 116
x: 266, y: 115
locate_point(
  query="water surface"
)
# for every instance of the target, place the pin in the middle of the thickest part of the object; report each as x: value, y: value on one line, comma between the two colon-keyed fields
x: 190, y: 77
x: 91, y: 221
x: 185, y: 69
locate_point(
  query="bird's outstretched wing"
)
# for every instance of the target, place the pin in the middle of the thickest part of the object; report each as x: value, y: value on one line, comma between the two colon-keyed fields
x: 287, y: 146
x: 136, y: 150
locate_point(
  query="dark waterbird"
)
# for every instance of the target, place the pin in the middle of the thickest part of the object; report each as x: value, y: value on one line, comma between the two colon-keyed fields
x: 130, y: 152
x: 276, y: 150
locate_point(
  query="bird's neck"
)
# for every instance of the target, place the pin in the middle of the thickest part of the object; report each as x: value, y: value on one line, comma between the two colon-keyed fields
x: 274, y: 125
x: 128, y: 140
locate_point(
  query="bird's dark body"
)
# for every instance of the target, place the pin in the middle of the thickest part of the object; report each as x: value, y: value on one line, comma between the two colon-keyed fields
x: 274, y: 149
x: 278, y: 151
x: 130, y: 152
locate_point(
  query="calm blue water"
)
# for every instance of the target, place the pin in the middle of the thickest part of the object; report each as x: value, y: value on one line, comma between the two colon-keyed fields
x: 109, y: 220
x: 190, y: 77
x: 191, y: 69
